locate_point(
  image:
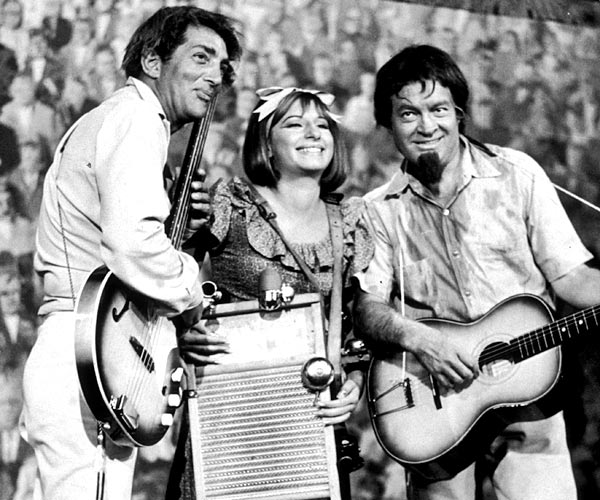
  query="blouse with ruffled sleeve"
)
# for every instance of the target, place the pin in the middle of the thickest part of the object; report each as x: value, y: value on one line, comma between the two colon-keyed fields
x: 245, y: 244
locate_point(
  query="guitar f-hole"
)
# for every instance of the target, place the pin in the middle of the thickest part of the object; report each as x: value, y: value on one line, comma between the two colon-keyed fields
x: 117, y: 315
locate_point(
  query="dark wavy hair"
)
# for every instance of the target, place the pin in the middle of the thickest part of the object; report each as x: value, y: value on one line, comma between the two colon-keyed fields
x: 166, y: 29
x: 255, y: 152
x: 414, y: 64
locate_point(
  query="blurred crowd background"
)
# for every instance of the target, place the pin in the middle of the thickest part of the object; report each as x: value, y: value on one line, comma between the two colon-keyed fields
x: 534, y: 85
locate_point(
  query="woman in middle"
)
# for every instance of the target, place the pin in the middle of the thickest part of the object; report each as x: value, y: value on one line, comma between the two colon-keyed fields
x: 294, y: 159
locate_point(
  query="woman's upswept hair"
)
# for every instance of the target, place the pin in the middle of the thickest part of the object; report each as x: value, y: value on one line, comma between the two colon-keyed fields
x: 166, y: 29
x: 255, y: 152
x: 418, y: 64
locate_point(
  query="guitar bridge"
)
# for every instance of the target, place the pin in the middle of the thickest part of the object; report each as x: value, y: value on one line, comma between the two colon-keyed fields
x: 408, y: 393
x: 126, y: 414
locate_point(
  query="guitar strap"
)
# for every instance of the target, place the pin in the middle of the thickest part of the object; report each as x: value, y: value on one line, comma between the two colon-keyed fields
x: 56, y: 161
x: 100, y: 436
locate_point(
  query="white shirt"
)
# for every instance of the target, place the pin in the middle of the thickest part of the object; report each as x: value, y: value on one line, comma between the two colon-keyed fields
x: 114, y: 206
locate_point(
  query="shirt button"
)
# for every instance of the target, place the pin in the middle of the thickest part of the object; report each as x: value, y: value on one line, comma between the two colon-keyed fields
x: 468, y: 293
x: 445, y: 212
x: 455, y: 253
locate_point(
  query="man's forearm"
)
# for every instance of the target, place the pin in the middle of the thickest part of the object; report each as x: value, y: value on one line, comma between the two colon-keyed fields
x: 380, y: 325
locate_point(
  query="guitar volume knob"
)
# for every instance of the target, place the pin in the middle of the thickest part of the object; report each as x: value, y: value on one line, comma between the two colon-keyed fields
x: 173, y: 400
x: 177, y: 375
x: 166, y: 420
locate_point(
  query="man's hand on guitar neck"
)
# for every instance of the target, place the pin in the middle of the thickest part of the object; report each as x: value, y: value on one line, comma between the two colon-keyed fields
x: 200, y: 208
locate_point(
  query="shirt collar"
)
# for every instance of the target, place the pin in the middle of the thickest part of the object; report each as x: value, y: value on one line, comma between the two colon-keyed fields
x: 148, y: 95
x: 474, y: 164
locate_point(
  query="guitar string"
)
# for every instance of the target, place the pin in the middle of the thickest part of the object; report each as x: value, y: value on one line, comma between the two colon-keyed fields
x: 138, y: 387
x: 551, y: 329
x: 592, y: 310
x: 529, y: 338
x: 536, y: 336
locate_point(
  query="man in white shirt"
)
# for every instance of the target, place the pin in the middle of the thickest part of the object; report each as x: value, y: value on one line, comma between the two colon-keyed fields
x: 105, y: 204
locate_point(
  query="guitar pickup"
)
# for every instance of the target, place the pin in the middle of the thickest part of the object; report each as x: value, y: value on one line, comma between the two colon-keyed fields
x: 142, y: 353
x: 125, y: 412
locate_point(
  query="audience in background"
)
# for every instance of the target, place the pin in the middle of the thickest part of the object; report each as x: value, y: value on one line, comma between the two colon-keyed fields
x: 30, y: 117
x: 536, y: 86
x: 10, y: 67
x: 12, y: 34
x: 17, y: 233
x: 43, y: 65
x: 28, y: 177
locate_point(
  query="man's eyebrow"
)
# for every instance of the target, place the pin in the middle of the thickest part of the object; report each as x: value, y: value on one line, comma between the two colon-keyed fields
x: 209, y: 49
x: 405, y: 103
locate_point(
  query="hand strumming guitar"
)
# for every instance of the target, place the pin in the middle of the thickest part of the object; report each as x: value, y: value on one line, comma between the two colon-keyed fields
x: 379, y: 323
x: 444, y: 360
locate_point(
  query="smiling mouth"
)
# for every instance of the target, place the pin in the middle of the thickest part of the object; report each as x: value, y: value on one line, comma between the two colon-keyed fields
x: 203, y: 97
x: 428, y: 144
x: 311, y: 149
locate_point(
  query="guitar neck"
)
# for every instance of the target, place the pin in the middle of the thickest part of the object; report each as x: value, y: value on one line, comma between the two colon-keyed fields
x: 191, y: 163
x: 554, y: 334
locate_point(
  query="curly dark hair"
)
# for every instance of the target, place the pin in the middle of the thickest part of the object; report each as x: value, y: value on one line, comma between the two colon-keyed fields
x: 414, y: 64
x: 166, y: 29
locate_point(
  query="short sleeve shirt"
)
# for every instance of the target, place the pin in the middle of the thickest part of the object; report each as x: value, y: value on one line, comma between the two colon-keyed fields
x: 504, y: 233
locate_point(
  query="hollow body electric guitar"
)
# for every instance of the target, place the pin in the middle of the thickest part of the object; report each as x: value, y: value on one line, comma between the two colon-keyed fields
x: 127, y: 359
x: 438, y: 434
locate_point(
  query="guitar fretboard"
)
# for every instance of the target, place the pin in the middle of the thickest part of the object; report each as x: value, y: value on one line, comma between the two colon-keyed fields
x: 554, y: 334
x: 541, y: 339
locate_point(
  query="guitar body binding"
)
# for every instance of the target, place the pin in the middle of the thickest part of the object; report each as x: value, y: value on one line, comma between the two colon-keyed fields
x: 439, y: 435
x: 125, y: 356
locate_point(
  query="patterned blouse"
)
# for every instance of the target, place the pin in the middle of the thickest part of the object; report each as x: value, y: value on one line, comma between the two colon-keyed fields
x: 244, y: 244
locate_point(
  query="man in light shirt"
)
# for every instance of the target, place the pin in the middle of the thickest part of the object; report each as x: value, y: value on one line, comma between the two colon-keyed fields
x: 459, y: 229
x: 105, y: 204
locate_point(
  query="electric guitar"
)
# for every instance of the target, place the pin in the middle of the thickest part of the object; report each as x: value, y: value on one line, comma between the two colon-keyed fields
x: 438, y: 434
x: 128, y: 364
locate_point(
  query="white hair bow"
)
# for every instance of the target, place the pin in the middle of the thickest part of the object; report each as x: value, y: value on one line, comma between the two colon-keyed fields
x: 274, y: 95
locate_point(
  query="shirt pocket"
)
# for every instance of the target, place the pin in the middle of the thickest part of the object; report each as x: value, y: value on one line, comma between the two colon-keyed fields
x: 504, y: 264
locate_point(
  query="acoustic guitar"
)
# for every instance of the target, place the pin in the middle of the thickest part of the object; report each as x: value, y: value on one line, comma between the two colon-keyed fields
x: 128, y: 364
x: 438, y: 434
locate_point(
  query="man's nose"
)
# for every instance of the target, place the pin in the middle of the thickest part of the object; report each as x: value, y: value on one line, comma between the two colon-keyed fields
x: 215, y: 75
x: 427, y: 124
